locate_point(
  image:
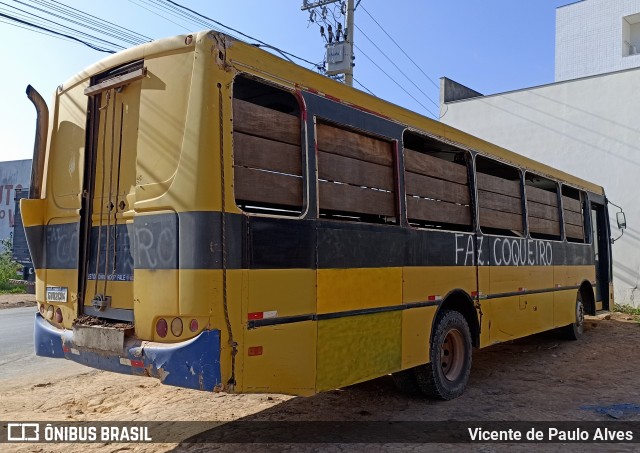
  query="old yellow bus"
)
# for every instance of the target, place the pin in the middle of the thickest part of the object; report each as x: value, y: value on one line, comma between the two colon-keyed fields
x: 209, y: 214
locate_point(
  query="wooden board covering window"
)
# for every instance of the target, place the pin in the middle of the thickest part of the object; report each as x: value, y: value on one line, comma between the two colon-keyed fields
x: 500, y: 203
x: 437, y: 190
x: 355, y: 173
x: 267, y: 156
x: 573, y: 218
x: 544, y: 215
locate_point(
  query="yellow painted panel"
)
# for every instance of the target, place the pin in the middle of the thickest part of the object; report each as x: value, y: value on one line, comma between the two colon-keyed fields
x: 502, y: 316
x: 287, y: 291
x: 421, y: 282
x: 66, y: 278
x: 573, y: 275
x: 352, y: 289
x: 288, y: 360
x: 198, y: 291
x: 32, y: 211
x: 416, y: 335
x: 155, y: 293
x: 161, y: 134
x: 506, y: 279
x: 66, y: 151
x: 564, y: 307
x: 357, y: 348
x: 121, y: 293
x: 484, y: 273
x: 535, y: 313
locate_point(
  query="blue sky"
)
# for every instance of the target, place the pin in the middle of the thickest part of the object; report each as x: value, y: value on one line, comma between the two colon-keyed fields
x: 491, y: 46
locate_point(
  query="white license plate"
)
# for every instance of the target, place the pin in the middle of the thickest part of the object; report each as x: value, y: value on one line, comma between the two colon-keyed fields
x: 56, y: 294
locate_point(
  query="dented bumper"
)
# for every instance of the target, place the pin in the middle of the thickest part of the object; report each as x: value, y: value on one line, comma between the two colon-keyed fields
x: 191, y: 364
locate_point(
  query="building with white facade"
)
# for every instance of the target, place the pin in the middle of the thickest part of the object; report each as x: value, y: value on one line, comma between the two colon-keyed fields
x: 587, y: 123
x: 597, y: 37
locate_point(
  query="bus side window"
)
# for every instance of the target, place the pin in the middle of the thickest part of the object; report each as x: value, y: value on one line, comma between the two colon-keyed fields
x: 499, y: 198
x: 437, y: 184
x: 356, y: 176
x: 573, y: 211
x: 266, y: 149
x: 542, y: 207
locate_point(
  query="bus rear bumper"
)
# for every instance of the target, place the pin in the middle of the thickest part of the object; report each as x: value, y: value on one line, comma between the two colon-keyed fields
x: 194, y: 363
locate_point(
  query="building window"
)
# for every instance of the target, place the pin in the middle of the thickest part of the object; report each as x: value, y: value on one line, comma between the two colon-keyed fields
x: 631, y: 35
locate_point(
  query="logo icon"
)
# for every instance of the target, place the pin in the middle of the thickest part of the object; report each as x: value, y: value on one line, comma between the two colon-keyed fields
x: 21, y: 432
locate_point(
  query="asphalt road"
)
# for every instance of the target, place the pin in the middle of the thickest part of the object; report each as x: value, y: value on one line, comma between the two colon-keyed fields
x: 17, y: 358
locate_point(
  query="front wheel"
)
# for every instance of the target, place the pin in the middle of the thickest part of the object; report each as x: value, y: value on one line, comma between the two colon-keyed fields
x: 446, y: 376
x: 575, y: 330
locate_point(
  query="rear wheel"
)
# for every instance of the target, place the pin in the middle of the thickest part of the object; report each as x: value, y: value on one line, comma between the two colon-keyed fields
x: 448, y: 373
x: 575, y: 330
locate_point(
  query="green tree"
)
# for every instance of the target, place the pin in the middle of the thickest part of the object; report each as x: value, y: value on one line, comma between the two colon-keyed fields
x: 8, y: 267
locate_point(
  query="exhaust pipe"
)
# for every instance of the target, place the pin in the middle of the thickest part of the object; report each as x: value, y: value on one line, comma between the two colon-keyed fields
x: 40, y: 144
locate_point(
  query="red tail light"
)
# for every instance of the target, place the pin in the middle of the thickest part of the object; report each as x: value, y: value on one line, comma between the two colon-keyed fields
x: 162, y: 328
x: 193, y: 325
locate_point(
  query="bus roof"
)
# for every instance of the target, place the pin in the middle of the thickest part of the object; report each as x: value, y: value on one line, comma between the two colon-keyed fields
x: 283, y: 71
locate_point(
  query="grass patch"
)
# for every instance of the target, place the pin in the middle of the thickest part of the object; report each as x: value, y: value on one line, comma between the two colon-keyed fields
x: 18, y: 289
x: 8, y: 269
x: 627, y: 309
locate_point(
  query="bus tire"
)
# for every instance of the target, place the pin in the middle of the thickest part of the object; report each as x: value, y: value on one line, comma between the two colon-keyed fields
x: 575, y: 330
x: 447, y: 375
x: 406, y: 382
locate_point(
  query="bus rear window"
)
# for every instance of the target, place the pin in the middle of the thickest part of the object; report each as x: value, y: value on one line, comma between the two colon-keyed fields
x: 267, y: 149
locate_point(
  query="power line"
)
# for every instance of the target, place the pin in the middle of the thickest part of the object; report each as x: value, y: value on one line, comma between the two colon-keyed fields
x: 133, y: 33
x: 65, y: 27
x: 396, y: 82
x: 15, y: 19
x: 47, y: 33
x: 399, y: 47
x: 366, y: 89
x: 160, y: 15
x: 130, y: 41
x: 397, y: 67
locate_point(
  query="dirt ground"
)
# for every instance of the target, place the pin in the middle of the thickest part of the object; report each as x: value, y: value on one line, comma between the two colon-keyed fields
x: 541, y: 377
x: 17, y: 300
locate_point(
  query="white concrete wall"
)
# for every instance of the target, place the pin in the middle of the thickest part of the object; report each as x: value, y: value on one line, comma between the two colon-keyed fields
x: 590, y: 38
x: 588, y: 127
x: 14, y: 175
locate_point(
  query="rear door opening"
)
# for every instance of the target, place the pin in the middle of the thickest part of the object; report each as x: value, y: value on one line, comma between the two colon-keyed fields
x: 106, y: 236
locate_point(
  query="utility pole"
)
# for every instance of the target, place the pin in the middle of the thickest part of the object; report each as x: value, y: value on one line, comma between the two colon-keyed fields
x: 339, y: 53
x: 348, y: 75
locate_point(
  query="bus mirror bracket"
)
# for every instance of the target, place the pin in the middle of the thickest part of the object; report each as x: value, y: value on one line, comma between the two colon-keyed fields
x: 621, y: 219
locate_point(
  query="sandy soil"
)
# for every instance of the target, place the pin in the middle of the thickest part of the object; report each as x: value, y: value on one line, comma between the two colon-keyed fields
x: 537, y: 378
x: 17, y: 300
